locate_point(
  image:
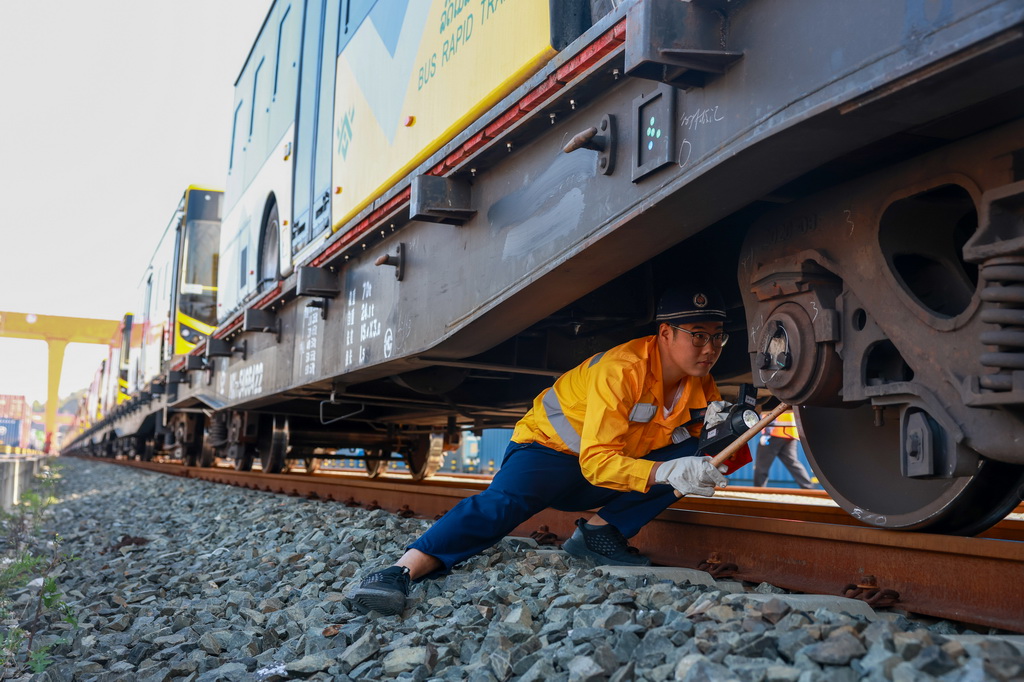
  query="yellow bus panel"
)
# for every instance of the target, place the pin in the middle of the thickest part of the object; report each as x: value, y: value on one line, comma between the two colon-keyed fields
x: 406, y: 89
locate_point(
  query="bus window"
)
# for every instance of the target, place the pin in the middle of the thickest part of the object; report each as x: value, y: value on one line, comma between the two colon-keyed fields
x: 255, y: 98
x: 199, y: 271
x: 198, y: 291
x: 282, y: 37
x: 234, y: 136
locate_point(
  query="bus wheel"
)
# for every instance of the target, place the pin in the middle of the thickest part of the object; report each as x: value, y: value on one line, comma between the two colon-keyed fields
x: 270, y: 270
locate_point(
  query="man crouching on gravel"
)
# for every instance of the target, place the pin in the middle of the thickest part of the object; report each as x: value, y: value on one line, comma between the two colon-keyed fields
x: 613, y: 434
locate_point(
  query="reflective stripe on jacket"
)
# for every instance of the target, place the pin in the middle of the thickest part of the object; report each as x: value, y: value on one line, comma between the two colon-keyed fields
x: 609, y: 411
x: 784, y: 427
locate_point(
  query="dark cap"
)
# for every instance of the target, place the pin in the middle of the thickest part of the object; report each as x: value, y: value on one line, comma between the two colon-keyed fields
x: 682, y: 304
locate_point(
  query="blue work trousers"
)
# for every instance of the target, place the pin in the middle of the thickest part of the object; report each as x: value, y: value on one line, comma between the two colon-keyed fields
x: 533, y: 478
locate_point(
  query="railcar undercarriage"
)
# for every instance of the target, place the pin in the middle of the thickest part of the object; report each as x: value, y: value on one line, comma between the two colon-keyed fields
x: 889, y: 309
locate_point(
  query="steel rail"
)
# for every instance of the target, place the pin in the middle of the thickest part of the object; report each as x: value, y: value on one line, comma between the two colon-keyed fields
x: 804, y: 548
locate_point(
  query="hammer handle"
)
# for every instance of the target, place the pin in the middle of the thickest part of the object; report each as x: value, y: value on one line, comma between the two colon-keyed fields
x: 732, y: 447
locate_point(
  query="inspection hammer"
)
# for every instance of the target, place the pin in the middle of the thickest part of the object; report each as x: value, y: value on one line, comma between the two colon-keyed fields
x: 732, y: 447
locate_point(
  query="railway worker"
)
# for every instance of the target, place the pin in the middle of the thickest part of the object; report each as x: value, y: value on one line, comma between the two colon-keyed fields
x: 779, y: 439
x: 613, y: 434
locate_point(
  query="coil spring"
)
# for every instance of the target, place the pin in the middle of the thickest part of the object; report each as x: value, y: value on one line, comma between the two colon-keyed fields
x: 218, y: 432
x: 1003, y: 305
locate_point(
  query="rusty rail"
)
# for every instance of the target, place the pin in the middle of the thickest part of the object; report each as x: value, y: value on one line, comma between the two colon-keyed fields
x: 804, y: 548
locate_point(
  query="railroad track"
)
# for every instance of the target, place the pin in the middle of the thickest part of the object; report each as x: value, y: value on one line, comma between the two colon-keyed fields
x: 810, y: 548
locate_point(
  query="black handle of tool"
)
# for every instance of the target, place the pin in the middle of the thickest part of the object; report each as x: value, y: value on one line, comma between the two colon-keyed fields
x: 732, y: 447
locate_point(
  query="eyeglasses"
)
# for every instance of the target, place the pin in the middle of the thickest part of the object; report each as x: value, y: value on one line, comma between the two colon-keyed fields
x: 700, y: 339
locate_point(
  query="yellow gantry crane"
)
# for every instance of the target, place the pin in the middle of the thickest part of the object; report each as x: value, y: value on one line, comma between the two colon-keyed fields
x: 57, y: 332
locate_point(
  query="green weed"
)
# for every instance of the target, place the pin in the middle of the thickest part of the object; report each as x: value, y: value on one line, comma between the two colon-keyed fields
x: 23, y: 565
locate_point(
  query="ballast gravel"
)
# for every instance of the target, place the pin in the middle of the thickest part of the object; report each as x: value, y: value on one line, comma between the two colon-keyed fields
x: 177, y: 579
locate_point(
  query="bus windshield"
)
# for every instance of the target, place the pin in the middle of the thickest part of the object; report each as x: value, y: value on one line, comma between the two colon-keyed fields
x: 199, y: 271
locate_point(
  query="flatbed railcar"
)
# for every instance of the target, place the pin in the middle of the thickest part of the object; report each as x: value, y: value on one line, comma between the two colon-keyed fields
x: 850, y: 175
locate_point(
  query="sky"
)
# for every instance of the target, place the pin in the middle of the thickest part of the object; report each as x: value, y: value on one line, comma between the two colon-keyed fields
x: 110, y: 109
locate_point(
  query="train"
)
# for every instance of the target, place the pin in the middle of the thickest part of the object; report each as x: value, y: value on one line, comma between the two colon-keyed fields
x: 435, y: 208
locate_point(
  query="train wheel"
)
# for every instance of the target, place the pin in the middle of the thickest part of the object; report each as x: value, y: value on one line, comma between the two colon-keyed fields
x: 242, y: 455
x: 188, y: 431
x: 859, y: 465
x: 426, y: 457
x: 375, y: 467
x: 187, y: 452
x: 273, y: 443
x: 207, y: 457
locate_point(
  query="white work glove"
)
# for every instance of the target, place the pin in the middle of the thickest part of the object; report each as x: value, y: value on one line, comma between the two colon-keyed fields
x: 716, y: 413
x: 691, y: 476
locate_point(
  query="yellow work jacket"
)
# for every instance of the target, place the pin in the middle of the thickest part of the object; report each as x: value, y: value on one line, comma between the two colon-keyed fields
x: 609, y: 411
x: 784, y: 427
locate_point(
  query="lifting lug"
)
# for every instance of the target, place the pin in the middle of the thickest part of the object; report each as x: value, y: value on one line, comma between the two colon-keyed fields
x: 396, y: 261
x: 600, y: 139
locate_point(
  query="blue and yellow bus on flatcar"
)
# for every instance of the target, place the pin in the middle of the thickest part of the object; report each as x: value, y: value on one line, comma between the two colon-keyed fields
x: 339, y: 100
x: 179, y: 287
x: 436, y: 207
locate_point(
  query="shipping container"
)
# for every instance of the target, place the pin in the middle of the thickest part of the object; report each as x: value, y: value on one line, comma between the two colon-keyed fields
x: 10, y: 432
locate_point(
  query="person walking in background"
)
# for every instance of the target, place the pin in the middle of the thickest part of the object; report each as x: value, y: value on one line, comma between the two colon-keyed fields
x: 779, y: 439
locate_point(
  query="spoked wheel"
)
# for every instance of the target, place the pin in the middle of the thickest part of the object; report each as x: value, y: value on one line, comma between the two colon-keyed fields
x: 375, y: 467
x: 426, y: 457
x: 273, y: 443
x: 859, y: 464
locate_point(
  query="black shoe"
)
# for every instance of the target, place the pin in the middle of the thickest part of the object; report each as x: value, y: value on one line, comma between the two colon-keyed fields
x: 605, y: 546
x: 384, y: 591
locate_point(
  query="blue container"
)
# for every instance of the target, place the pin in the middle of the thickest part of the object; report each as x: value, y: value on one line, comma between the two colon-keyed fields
x: 10, y: 432
x: 493, y: 444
